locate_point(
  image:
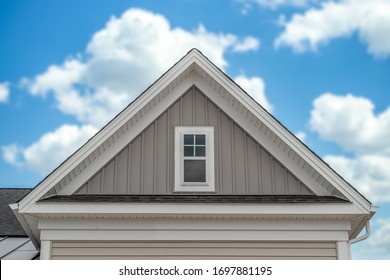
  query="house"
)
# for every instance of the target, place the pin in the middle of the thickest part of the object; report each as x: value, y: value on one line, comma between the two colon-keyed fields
x: 14, y: 242
x: 194, y: 168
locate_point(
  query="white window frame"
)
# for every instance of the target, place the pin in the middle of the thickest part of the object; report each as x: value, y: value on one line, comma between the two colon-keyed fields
x: 180, y: 185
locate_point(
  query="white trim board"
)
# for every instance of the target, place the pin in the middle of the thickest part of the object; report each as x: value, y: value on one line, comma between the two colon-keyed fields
x: 184, y: 235
x: 193, y: 229
x: 287, y: 209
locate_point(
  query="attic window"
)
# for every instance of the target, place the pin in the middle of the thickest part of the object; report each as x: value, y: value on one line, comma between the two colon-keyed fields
x: 194, y: 159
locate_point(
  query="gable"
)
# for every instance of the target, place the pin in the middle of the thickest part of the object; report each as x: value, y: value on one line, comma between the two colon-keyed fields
x: 195, y: 69
x: 146, y: 164
x: 250, y: 141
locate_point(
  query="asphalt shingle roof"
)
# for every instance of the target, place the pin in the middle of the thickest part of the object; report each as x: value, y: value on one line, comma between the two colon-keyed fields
x: 9, y: 225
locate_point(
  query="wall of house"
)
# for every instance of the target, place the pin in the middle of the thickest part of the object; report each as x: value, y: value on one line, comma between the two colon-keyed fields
x: 146, y: 165
x: 196, y: 238
x: 92, y: 250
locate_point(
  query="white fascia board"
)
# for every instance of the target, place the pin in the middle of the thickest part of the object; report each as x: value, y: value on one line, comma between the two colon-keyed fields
x: 106, y: 132
x: 193, y: 224
x: 185, y: 235
x: 327, y: 172
x: 374, y: 209
x: 192, y: 229
x: 195, y: 208
x: 21, y: 219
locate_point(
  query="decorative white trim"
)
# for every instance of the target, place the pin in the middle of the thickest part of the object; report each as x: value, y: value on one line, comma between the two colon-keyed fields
x: 180, y: 185
x: 342, y: 250
x: 192, y: 224
x: 192, y: 229
x: 45, y: 253
x: 285, y: 209
x: 25, y: 225
x: 184, y: 235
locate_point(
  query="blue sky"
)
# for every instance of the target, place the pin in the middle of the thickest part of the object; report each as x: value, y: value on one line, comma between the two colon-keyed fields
x: 321, y: 67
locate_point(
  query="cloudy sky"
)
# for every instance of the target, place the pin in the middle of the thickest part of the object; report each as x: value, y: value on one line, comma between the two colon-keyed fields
x: 322, y: 68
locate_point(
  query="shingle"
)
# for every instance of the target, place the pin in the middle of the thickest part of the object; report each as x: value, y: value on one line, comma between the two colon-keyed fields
x: 9, y: 225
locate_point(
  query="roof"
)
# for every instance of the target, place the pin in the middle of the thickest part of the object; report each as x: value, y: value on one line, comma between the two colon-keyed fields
x: 9, y: 224
x: 17, y: 248
x: 194, y: 69
x: 196, y: 198
x: 14, y: 243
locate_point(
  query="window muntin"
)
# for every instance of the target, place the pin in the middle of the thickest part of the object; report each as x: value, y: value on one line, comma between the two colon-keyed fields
x: 194, y: 159
x: 194, y: 145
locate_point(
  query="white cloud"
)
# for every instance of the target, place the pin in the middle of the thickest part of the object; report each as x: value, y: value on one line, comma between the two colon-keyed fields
x: 380, y: 241
x: 248, y: 44
x: 255, y: 87
x: 350, y: 122
x: 122, y: 59
x: 370, y: 174
x: 274, y: 4
x: 4, y: 92
x: 10, y: 154
x: 378, y: 245
x: 301, y: 136
x: 317, y: 26
x: 51, y: 148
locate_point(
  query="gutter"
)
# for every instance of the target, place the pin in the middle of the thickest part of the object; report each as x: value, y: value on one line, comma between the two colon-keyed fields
x: 359, y: 238
x: 363, y: 237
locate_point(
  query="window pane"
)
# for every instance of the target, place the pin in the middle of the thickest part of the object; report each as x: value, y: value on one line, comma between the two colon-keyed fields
x: 188, y: 151
x: 200, y: 151
x: 188, y: 139
x: 200, y: 139
x: 194, y: 171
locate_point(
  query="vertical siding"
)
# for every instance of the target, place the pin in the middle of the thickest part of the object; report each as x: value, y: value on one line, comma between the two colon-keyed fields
x: 161, y: 171
x: 253, y: 167
x: 122, y: 171
x: 266, y: 168
x: 227, y: 157
x: 135, y: 161
x: 146, y: 165
x: 148, y: 160
x: 193, y: 250
x: 213, y: 119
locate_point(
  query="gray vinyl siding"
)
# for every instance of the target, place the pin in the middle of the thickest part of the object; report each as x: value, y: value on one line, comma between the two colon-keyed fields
x: 146, y: 165
x: 192, y: 250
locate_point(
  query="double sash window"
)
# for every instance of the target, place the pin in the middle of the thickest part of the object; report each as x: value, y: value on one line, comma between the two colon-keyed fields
x: 194, y: 159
